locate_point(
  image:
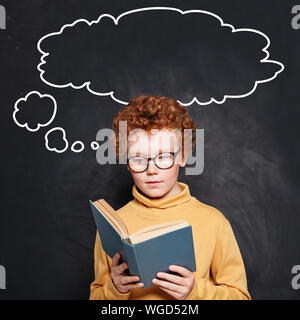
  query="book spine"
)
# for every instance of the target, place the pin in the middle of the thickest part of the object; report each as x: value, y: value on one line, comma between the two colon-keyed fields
x: 133, y: 261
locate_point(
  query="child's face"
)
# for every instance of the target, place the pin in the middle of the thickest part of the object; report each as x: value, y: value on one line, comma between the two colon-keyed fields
x: 149, y: 145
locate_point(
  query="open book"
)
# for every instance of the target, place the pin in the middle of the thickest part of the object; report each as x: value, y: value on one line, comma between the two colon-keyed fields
x: 149, y: 250
x: 141, y: 235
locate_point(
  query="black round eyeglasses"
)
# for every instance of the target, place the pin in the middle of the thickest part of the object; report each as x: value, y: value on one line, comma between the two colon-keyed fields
x: 163, y: 160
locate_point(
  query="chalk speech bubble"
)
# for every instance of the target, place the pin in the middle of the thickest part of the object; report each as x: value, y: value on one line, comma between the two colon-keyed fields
x: 64, y: 140
x: 170, y: 47
x: 34, y: 111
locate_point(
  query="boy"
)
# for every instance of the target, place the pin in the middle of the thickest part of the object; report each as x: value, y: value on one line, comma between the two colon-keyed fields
x: 153, y: 161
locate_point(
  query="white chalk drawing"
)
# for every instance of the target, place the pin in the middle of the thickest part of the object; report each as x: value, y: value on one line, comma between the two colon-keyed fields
x: 64, y: 139
x: 116, y: 20
x: 95, y: 145
x: 20, y: 103
x: 80, y: 148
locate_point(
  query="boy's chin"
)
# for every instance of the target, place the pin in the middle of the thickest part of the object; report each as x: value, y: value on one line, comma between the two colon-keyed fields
x: 155, y: 193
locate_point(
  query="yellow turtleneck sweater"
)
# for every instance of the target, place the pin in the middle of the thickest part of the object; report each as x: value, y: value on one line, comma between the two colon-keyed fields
x: 220, y: 269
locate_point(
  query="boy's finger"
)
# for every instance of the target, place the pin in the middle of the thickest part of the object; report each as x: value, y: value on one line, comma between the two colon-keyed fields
x: 181, y: 270
x: 135, y: 285
x: 115, y: 259
x: 120, y: 268
x: 170, y: 277
x: 129, y: 279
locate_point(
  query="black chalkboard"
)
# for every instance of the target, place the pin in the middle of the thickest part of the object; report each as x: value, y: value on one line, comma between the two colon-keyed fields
x: 235, y: 67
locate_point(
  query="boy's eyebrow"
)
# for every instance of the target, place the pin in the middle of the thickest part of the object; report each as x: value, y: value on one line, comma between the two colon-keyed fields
x: 143, y: 154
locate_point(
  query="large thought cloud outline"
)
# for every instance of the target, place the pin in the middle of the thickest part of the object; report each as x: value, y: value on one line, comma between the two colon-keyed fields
x: 116, y: 20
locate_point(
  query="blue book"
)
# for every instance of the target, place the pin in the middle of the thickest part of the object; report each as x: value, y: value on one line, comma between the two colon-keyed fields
x: 149, y: 250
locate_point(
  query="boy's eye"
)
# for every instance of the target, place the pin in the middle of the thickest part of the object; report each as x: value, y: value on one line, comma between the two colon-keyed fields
x: 137, y: 160
x: 163, y: 156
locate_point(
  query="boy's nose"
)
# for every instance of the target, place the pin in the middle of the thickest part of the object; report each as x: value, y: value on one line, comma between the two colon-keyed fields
x: 152, y: 168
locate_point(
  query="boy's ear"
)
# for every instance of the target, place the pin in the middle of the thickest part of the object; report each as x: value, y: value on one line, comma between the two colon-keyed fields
x: 183, y: 161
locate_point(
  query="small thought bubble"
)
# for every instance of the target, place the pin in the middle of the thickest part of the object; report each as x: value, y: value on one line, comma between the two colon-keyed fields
x: 77, y: 146
x: 191, y: 55
x: 95, y: 145
x: 34, y: 111
x: 55, y: 140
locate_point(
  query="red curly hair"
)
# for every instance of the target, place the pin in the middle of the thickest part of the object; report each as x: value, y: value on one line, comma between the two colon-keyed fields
x: 153, y: 112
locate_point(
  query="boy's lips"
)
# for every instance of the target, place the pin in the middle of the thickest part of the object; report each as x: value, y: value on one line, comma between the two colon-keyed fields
x: 153, y: 182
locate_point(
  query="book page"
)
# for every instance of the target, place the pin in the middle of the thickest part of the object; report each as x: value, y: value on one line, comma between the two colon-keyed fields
x: 157, y: 230
x: 111, y: 218
x: 112, y: 212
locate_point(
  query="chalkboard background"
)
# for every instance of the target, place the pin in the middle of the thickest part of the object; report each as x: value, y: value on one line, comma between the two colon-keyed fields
x: 251, y: 171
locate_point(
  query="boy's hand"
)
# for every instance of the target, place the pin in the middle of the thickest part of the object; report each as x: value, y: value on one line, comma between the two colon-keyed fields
x: 177, y: 286
x: 122, y: 282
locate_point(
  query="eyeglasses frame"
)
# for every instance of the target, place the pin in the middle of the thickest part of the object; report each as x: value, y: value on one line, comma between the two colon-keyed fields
x: 174, y: 154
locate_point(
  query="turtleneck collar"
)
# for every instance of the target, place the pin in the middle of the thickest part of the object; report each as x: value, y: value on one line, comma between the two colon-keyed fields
x: 166, y: 202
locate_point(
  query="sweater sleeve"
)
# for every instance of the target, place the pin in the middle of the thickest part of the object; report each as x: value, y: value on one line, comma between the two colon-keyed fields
x: 102, y: 288
x: 227, y: 269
